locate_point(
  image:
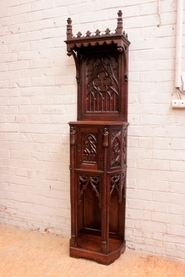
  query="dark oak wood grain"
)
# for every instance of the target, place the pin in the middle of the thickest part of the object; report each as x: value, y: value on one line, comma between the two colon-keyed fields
x: 98, y: 144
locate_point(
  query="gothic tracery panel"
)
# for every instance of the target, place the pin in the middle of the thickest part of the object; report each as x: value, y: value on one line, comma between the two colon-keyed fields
x: 102, y: 93
x: 89, y: 153
x: 115, y: 149
x: 93, y: 181
x: 118, y: 183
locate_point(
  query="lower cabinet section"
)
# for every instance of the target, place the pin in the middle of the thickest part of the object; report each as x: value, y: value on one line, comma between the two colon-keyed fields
x: 98, y: 185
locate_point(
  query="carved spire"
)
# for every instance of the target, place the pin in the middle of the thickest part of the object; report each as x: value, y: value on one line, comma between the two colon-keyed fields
x: 119, y: 29
x: 69, y: 28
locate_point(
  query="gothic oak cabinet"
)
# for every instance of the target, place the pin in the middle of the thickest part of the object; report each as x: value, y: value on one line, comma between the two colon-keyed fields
x: 98, y: 142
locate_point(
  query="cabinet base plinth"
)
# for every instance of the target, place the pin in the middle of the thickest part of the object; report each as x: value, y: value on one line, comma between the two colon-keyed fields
x: 92, y: 251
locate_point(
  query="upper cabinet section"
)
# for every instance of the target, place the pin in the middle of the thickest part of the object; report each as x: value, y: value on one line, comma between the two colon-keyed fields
x: 101, y: 71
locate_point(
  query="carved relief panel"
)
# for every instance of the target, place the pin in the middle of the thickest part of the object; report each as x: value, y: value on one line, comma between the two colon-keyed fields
x: 88, y: 147
x: 102, y: 84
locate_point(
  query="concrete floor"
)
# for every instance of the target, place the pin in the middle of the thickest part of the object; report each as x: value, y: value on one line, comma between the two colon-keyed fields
x: 25, y: 253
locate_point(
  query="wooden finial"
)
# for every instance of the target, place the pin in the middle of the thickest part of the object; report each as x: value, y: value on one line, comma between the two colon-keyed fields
x: 119, y: 28
x: 69, y: 28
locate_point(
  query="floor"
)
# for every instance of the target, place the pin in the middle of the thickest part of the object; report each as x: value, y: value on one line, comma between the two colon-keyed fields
x: 25, y: 253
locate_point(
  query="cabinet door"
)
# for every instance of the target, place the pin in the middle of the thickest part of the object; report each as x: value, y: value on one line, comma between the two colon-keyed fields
x: 89, y: 148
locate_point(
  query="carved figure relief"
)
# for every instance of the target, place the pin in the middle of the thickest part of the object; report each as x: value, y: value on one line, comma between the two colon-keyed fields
x: 72, y: 135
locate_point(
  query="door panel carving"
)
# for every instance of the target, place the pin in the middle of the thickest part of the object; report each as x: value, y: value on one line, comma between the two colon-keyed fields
x: 102, y: 89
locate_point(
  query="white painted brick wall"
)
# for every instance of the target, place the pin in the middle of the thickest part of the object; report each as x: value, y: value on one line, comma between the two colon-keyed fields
x: 38, y: 99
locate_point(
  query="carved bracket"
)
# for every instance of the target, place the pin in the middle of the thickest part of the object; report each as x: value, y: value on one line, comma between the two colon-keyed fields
x: 93, y: 181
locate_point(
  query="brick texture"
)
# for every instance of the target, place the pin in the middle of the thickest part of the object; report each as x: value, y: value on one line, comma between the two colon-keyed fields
x: 38, y: 99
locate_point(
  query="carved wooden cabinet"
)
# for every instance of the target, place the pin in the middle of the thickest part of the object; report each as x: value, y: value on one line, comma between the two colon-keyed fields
x: 98, y: 144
